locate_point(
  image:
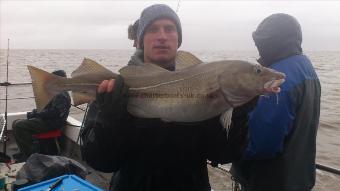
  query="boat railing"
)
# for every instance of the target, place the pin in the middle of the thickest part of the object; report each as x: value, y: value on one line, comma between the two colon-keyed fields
x: 3, y: 118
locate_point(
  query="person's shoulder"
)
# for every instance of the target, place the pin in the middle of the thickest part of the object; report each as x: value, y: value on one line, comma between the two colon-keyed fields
x: 299, y: 58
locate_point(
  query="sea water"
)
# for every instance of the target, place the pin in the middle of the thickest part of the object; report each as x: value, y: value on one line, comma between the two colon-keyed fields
x: 326, y: 64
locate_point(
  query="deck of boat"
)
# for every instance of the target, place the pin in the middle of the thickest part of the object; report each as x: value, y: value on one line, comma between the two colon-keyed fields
x: 220, y: 179
x: 95, y: 177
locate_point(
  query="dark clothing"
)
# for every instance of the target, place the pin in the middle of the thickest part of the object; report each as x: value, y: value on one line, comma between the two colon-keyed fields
x: 149, y: 154
x: 277, y: 37
x: 52, y: 117
x: 55, y: 112
x: 281, y: 151
x: 283, y: 133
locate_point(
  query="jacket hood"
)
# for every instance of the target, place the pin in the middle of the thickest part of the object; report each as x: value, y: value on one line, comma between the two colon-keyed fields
x: 277, y: 37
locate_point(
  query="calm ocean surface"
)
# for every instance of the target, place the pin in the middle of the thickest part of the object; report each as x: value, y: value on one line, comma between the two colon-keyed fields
x: 327, y: 65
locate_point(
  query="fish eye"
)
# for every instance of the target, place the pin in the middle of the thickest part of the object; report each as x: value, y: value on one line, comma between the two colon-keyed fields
x: 258, y: 69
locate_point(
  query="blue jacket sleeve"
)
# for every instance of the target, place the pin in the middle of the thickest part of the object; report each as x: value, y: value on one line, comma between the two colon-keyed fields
x: 269, y: 123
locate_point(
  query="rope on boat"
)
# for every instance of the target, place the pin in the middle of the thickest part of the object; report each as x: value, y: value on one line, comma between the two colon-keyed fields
x: 17, y: 84
x: 78, y: 107
x: 237, y: 187
x: 2, y: 99
x: 327, y: 168
x: 82, y: 127
x: 318, y: 166
x: 6, y: 84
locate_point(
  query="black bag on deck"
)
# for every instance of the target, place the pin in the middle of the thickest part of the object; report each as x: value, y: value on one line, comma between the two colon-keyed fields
x: 40, y: 167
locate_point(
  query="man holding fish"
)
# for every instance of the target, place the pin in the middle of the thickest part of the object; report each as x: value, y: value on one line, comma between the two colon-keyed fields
x: 148, y: 153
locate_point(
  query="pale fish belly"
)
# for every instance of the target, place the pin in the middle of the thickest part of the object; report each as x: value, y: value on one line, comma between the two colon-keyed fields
x: 178, y: 108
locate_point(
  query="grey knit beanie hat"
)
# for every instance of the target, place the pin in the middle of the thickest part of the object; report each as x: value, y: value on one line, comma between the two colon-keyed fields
x: 153, y: 13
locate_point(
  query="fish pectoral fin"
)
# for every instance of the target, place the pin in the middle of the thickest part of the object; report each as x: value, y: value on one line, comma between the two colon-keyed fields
x: 185, y: 59
x: 225, y: 119
x: 81, y: 98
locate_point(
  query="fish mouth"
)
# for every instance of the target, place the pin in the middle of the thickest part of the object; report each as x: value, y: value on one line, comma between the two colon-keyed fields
x: 273, y: 86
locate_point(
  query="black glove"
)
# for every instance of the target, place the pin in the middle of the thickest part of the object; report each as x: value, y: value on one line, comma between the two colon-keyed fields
x: 238, y: 132
x: 32, y: 114
x: 113, y: 105
x: 243, y: 110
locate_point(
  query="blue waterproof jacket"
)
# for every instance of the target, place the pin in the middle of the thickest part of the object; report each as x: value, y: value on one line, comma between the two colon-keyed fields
x: 280, y: 154
x: 272, y: 121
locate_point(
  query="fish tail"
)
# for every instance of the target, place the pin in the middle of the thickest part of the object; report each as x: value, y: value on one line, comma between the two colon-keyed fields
x: 42, y: 83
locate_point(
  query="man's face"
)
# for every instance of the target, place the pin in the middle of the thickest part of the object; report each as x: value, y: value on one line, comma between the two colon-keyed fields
x: 161, y: 42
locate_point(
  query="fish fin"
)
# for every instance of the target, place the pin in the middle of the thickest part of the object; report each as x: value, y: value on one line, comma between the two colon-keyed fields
x: 144, y: 75
x: 225, y: 119
x: 42, y: 83
x: 80, y: 98
x: 185, y: 59
x: 144, y: 70
x: 89, y: 66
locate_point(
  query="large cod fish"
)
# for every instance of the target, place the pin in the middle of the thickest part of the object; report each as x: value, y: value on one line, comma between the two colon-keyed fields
x: 194, y: 93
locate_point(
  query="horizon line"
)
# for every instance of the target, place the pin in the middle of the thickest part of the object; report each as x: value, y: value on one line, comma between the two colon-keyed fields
x: 317, y: 50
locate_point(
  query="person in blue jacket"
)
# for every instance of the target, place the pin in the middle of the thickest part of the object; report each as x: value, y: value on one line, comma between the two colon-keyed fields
x: 282, y: 128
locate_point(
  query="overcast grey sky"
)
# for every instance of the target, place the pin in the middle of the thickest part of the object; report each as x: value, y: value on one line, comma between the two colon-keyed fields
x: 207, y: 25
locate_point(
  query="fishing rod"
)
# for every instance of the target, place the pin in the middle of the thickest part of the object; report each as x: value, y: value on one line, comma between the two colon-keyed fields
x: 3, y: 136
x: 178, y: 6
